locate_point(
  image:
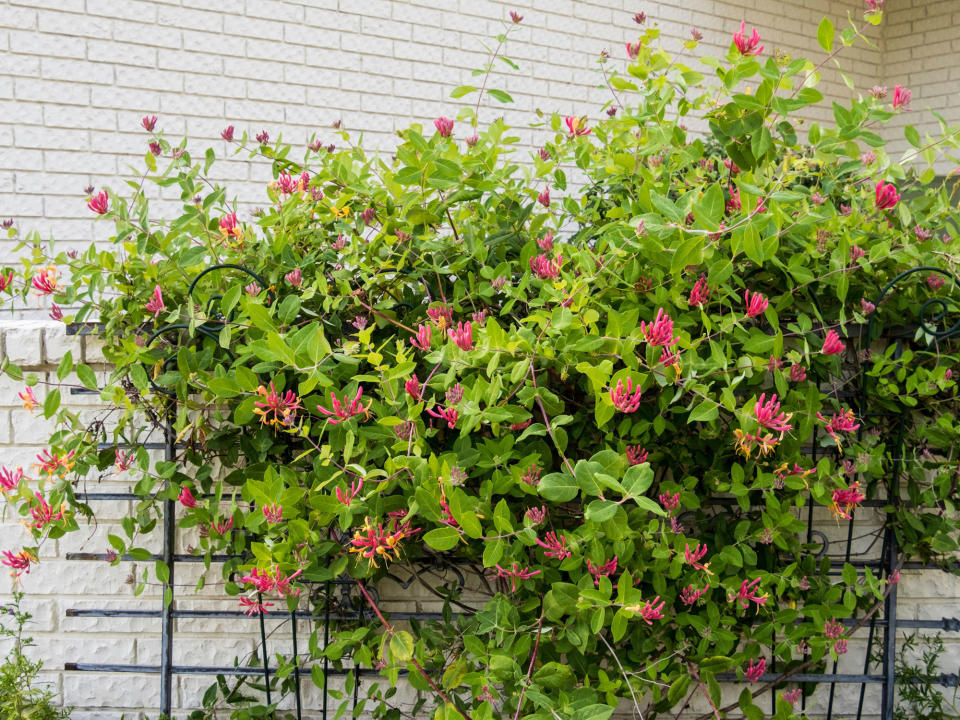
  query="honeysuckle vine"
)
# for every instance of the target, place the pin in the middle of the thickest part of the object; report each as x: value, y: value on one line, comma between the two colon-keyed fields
x: 600, y: 397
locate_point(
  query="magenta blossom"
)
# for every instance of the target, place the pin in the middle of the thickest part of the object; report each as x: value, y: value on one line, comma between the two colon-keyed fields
x: 227, y: 133
x: 273, y: 513
x: 155, y: 305
x: 768, y: 414
x: 636, y: 455
x: 755, y: 670
x: 515, y: 573
x: 414, y: 389
x: 421, y: 340
x: 254, y: 607
x: 444, y: 126
x: 546, y: 242
x: 294, y: 277
x: 186, y: 498
x: 659, y: 332
x: 922, y: 233
x: 462, y: 335
x: 624, y: 398
x: 99, y: 203
x: 263, y: 137
x: 689, y: 596
x: 606, y: 570
x: 10, y: 480
x: 832, y: 345
x: 838, y: 423
x: 149, y: 122
x: 699, y: 293
x: 935, y: 281
x: 901, y: 97
x: 516, y: 17
x: 6, y: 281
x: 450, y: 415
x: 536, y: 515
x: 576, y: 126
x: 554, y: 547
x: 747, y: 45
x: 343, y: 411
x: 886, y: 195
x: 748, y: 593
x: 798, y: 373
x: 856, y: 252
x: 866, y: 306
x: 756, y: 303
x: 693, y: 557
x: 652, y: 610
x: 345, y: 498
x: 633, y: 49
x: 544, y: 198
x: 472, y: 140
x: 545, y: 268
x: 670, y: 502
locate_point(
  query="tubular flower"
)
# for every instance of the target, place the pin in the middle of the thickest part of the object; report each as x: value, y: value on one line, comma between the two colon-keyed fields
x: 422, y: 339
x: 768, y: 414
x: 375, y: 543
x: 455, y: 394
x: 833, y: 629
x: 222, y: 527
x: 652, y: 610
x: 294, y: 277
x: 149, y: 122
x: 555, y: 547
x: 227, y: 133
x: 52, y: 464
x: 669, y: 358
x: 576, y: 126
x: 462, y: 335
x: 278, y: 409
x: 55, y: 312
x: 901, y: 97
x: 693, y: 557
x: 660, y: 331
x: 545, y: 268
x: 669, y: 502
x: 791, y: 696
x: 19, y: 563
x: 857, y: 252
x: 832, y: 345
x: 515, y: 573
x: 273, y: 513
x: 748, y: 593
x: 42, y: 514
x: 186, y: 498
x: 699, y: 293
x: 606, y: 570
x: 261, y: 580
x: 636, y: 455
x: 546, y: 242
x: 28, y: 398
x: 414, y: 389
x: 448, y: 414
x: 886, y: 195
x: 747, y: 45
x: 343, y: 411
x: 838, y: 423
x: 536, y: 515
x: 756, y: 304
x: 99, y: 203
x: 747, y: 442
x: 923, y: 234
x: 6, y: 281
x: 446, y: 514
x: 798, y: 373
x: 441, y: 315
x: 45, y: 282
x: 689, y: 596
x: 444, y: 126
x: 155, y: 304
x: 355, y: 487
x: 544, y: 198
x: 263, y: 137
x: 624, y: 398
x: 254, y: 607
x: 10, y: 480
x: 846, y: 500
x: 531, y: 474
x: 755, y: 670
x: 230, y: 226
x: 633, y: 49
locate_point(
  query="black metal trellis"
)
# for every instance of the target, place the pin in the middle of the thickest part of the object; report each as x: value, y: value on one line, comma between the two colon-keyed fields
x: 351, y: 609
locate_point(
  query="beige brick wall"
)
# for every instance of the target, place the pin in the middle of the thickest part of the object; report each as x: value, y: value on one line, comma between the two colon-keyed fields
x: 77, y: 75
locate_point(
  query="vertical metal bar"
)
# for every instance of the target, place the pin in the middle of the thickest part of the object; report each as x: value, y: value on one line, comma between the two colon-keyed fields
x: 888, y: 703
x: 166, y: 613
x: 263, y: 648
x: 296, y: 662
x: 326, y: 640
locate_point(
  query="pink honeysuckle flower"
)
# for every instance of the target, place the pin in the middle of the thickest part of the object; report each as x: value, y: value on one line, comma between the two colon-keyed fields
x: 531, y: 475
x: 747, y: 46
x: 659, y: 332
x: 444, y: 126
x: 624, y: 398
x: 230, y: 226
x: 546, y: 242
x: 536, y: 515
x: 756, y: 303
x: 838, y: 423
x: 254, y: 607
x: 761, y: 207
x: 636, y: 455
x: 273, y: 512
x: 866, y: 306
x: 344, y: 411
x: 45, y: 282
x: 441, y: 315
x: 878, y: 92
x: 340, y: 243
x: 832, y: 345
x: 10, y: 480
x: 669, y: 358
x: 846, y: 210
x: 755, y: 670
x: 798, y: 373
x: 281, y: 583
x: 472, y: 140
x: 263, y: 137
x: 652, y: 610
x: 278, y: 409
x: 221, y: 527
x: 894, y: 577
x: 733, y: 201
x: 791, y: 696
x: 6, y: 281
x: 544, y: 268
x: 261, y: 580
x: 515, y: 573
x: 42, y: 514
x: 774, y: 364
x: 689, y: 596
x: 29, y: 399
x: 316, y: 146
x: 253, y: 289
x: 669, y: 502
x: 55, y: 312
x: 817, y: 199
x: 576, y: 126
x: 856, y: 252
x: 840, y: 646
x: 227, y: 133
x: 122, y: 461
x: 345, y: 498
x: 516, y: 17
x: 462, y: 335
x: 640, y: 18
x: 186, y: 498
x: 149, y: 122
x: 554, y: 546
x: 696, y: 35
x: 414, y: 389
x: 901, y: 97
x: 935, y: 281
x: 52, y: 463
x: 731, y: 166
x: 544, y: 198
x: 155, y: 147
x: 768, y: 415
x: 521, y: 425
x: 294, y: 277
x: 611, y: 111
x: 369, y: 215
x: 99, y: 203
x: 450, y: 415
x: 833, y: 629
x: 693, y: 557
x: 922, y: 233
x: 699, y: 293
x: 633, y: 49
x: 446, y: 514
x: 285, y: 183
x: 886, y: 195
x: 748, y: 594
x: 155, y: 304
x: 868, y: 158
x: 605, y: 570
x: 479, y: 317
x: 454, y: 394
x: 19, y: 563
x: 544, y: 154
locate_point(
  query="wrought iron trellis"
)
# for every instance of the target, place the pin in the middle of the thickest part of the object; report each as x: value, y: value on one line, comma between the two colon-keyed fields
x: 351, y: 608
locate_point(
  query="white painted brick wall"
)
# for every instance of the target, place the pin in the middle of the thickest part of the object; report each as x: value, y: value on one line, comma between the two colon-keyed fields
x: 77, y: 75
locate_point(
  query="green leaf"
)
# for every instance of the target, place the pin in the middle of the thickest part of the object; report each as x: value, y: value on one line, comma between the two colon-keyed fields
x: 593, y: 712
x: 442, y: 539
x: 558, y: 487
x: 51, y: 402
x: 601, y: 510
x: 500, y: 95
x: 401, y: 646
x: 65, y: 366
x: 912, y: 136
x: 708, y: 211
x: 825, y: 34
x: 704, y: 412
x: 462, y: 90
x: 87, y: 377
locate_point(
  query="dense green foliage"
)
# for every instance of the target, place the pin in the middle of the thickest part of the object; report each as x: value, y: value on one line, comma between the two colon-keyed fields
x: 451, y: 356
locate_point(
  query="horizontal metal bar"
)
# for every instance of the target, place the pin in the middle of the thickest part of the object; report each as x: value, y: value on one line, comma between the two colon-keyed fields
x: 809, y: 677
x: 280, y: 615
x: 85, y: 328
x: 195, y: 669
x: 155, y: 556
